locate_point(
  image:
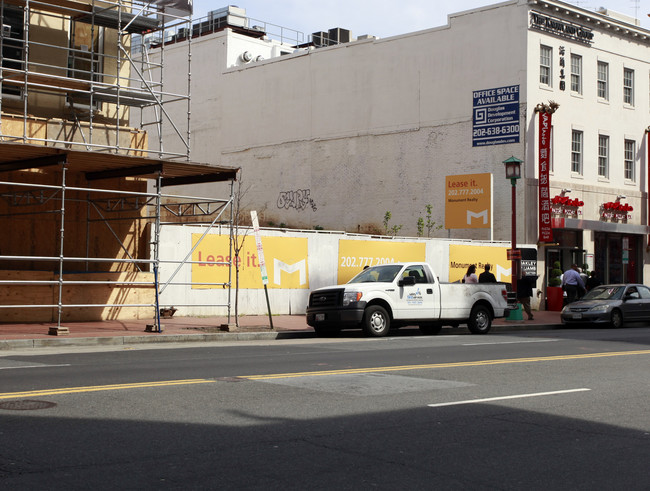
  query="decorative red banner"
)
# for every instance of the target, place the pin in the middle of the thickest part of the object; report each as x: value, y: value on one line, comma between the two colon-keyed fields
x: 545, y: 230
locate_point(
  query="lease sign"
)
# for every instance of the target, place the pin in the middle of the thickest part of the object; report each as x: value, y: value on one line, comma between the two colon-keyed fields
x: 468, y: 201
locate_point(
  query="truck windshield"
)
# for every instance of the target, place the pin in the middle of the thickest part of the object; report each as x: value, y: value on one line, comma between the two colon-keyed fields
x: 385, y: 273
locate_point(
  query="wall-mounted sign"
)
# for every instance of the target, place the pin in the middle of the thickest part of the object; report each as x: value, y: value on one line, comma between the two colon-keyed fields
x: 495, y: 116
x: 468, y: 201
x: 545, y: 224
x: 562, y: 68
x: 285, y: 265
x: 562, y: 28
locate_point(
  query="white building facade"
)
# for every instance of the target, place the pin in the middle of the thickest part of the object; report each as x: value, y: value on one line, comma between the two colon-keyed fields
x: 337, y: 136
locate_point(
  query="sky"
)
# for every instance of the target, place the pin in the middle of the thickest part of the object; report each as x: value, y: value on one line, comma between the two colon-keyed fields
x: 383, y: 18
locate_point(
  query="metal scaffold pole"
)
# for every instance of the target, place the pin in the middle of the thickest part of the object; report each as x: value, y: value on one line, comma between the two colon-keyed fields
x: 156, y: 252
x: 61, y: 241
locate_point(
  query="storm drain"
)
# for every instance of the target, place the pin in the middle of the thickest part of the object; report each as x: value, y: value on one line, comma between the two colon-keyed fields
x: 26, y: 405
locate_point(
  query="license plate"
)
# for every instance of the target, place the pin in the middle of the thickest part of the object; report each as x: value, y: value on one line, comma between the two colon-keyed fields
x: 576, y: 316
x: 320, y: 317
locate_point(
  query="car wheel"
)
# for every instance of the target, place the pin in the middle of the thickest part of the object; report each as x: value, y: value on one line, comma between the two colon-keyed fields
x: 479, y: 321
x: 376, y: 321
x: 431, y: 328
x: 323, y: 332
x: 616, y: 319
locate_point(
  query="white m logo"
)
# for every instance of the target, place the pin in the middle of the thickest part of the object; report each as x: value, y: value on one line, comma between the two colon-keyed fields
x: 481, y: 214
x: 503, y: 271
x: 279, y: 266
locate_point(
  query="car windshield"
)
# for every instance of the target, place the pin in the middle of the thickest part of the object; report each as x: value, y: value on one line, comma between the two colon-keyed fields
x: 385, y: 273
x: 604, y: 293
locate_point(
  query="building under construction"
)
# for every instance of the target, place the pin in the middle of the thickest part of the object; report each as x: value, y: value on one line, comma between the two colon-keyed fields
x: 82, y: 200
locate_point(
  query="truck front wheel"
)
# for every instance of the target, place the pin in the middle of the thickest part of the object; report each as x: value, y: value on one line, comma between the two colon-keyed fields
x: 376, y: 321
x: 479, y: 321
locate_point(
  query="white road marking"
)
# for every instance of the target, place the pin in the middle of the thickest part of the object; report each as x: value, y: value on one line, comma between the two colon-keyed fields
x: 513, y: 342
x: 34, y: 366
x: 518, y: 396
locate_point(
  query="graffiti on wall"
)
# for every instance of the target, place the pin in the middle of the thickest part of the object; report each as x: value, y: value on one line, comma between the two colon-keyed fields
x: 298, y: 199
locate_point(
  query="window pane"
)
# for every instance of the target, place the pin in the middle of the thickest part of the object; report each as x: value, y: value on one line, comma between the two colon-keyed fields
x: 603, y: 79
x: 630, y: 150
x: 576, y: 152
x: 545, y: 55
x: 628, y: 86
x: 603, y: 156
x: 576, y: 74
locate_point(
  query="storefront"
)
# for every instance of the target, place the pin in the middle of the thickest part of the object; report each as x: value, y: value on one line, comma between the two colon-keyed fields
x: 567, y: 249
x: 617, y: 255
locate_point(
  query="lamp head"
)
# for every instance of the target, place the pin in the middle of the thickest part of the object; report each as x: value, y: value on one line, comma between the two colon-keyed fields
x: 513, y: 168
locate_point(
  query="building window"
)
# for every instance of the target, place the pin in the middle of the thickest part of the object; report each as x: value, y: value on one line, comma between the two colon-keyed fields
x: 628, y: 86
x: 603, y: 80
x: 603, y: 156
x: 576, y: 151
x: 545, y: 58
x: 13, y: 46
x: 576, y: 74
x: 85, y: 53
x: 630, y: 150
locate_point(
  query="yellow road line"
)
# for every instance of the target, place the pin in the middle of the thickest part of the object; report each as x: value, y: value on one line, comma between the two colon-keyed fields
x: 98, y: 388
x: 445, y: 365
x: 166, y: 383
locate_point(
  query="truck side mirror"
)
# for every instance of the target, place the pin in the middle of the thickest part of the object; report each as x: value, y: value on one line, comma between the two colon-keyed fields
x: 407, y: 281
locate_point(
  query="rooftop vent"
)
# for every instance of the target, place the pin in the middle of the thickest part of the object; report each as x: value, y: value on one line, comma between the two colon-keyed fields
x: 618, y: 16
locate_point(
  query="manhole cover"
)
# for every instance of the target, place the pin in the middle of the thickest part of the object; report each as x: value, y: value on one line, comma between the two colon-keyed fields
x: 26, y: 405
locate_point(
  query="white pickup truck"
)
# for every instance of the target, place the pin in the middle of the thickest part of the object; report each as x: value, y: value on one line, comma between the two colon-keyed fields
x: 400, y: 294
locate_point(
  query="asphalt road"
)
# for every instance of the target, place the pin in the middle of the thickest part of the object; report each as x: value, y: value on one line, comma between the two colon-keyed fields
x: 557, y: 409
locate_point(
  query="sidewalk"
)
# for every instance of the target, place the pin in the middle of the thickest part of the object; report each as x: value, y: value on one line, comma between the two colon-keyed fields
x: 199, y: 329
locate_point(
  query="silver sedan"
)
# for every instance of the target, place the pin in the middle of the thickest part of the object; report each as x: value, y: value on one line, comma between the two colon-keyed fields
x: 610, y: 304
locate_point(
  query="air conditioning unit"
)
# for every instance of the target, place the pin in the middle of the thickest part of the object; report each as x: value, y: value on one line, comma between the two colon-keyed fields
x: 231, y: 15
x: 320, y: 39
x: 338, y: 35
x: 6, y: 30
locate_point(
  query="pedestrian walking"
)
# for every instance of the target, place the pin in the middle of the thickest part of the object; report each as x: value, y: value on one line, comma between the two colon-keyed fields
x: 572, y: 284
x: 525, y: 286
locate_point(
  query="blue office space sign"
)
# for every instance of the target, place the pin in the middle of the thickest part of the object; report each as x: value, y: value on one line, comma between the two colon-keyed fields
x: 495, y: 116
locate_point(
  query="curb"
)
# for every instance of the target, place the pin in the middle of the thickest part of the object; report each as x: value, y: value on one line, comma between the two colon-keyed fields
x: 15, y: 344
x: 9, y: 344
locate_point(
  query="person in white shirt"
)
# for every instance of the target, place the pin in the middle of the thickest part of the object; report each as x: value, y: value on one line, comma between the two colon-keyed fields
x: 572, y: 283
x: 470, y: 276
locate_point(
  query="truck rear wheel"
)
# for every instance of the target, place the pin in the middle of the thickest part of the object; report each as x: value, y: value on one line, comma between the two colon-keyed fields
x: 376, y: 321
x: 479, y: 321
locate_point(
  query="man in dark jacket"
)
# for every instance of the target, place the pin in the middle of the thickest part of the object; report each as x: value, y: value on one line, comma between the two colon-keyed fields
x: 486, y: 276
x: 525, y: 286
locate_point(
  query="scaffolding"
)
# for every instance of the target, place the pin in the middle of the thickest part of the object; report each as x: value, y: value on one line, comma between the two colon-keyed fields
x: 68, y: 78
x: 109, y: 283
x: 81, y: 190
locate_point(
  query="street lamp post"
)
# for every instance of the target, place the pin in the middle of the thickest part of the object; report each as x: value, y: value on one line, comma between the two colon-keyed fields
x: 513, y: 172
